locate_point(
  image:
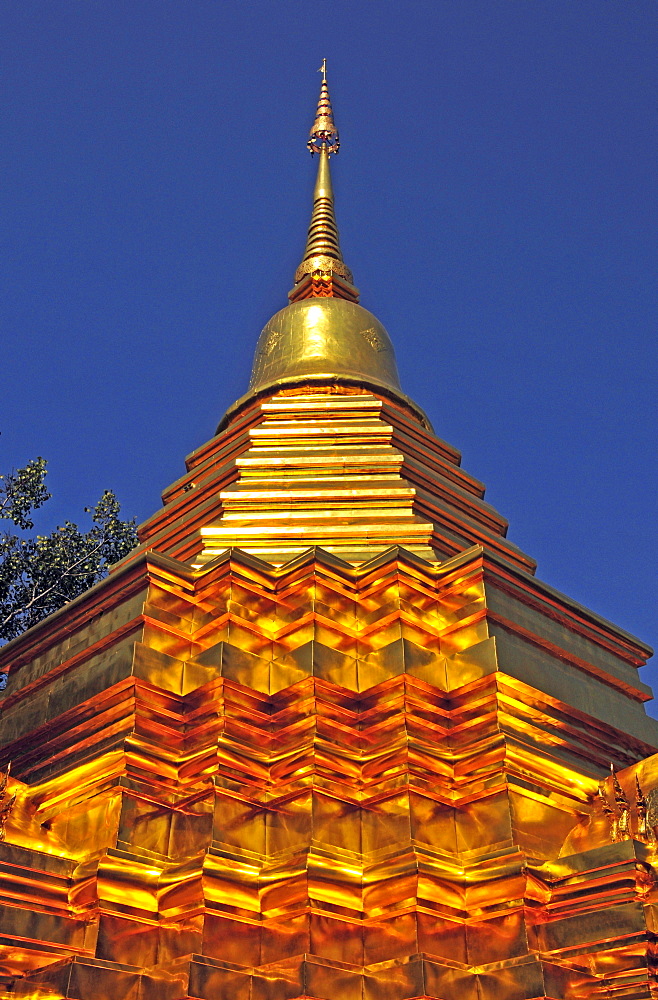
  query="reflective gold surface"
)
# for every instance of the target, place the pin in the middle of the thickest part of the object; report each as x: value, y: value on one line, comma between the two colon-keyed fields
x: 322, y: 254
x: 323, y: 260
x: 325, y: 780
x: 331, y: 465
x: 323, y: 134
x: 327, y: 337
x: 323, y: 734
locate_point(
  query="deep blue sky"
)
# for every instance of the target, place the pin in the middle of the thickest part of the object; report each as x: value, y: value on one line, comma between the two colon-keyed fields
x: 496, y: 195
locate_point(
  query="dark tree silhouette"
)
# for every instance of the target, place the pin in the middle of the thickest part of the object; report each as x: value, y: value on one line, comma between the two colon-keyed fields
x: 41, y: 573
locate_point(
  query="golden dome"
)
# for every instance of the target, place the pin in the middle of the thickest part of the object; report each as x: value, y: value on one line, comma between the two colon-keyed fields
x: 320, y: 342
x: 328, y: 337
x: 324, y: 336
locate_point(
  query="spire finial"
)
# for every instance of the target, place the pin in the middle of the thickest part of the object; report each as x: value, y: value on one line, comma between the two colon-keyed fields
x: 322, y: 272
x: 324, y: 134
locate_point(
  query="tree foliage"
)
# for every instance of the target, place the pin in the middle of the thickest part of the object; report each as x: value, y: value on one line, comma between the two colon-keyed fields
x: 39, y: 574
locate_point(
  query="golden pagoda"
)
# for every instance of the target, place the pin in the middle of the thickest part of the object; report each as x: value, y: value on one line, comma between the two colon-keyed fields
x: 324, y: 734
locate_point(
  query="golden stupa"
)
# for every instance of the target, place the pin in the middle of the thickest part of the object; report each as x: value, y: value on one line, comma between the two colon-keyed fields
x: 324, y: 734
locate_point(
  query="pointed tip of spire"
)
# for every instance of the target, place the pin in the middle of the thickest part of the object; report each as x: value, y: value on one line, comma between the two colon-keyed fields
x: 324, y: 134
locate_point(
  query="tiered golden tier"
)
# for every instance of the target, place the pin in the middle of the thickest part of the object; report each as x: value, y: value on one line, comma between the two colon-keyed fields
x: 322, y: 779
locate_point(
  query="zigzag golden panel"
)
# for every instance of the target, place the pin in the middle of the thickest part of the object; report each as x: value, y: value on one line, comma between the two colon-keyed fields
x: 291, y: 796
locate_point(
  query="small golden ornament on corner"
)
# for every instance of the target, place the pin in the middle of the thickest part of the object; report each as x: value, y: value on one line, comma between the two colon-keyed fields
x: 6, y: 803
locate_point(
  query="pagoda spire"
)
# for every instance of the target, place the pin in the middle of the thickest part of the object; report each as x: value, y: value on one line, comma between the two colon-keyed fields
x: 322, y: 272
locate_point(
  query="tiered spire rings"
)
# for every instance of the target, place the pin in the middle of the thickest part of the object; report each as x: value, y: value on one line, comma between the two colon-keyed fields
x: 324, y: 134
x: 322, y: 272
